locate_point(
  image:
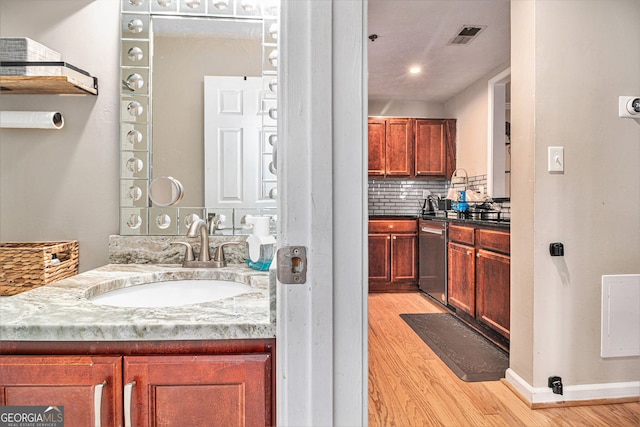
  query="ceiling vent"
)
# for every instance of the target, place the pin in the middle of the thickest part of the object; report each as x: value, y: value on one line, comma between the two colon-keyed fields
x: 466, y: 34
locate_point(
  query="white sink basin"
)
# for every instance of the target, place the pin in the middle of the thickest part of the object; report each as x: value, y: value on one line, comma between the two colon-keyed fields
x: 171, y: 293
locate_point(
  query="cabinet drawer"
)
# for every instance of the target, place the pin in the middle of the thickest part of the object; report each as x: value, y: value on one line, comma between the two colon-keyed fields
x: 491, y: 240
x: 461, y: 234
x: 393, y: 226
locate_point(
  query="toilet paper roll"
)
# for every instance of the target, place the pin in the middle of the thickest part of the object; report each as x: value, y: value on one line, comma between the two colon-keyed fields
x: 31, y: 119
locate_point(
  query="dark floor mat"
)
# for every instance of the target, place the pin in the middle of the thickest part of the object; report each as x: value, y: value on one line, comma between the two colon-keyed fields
x: 467, y: 353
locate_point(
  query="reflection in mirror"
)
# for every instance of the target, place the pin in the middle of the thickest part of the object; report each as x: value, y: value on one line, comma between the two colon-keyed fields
x: 186, y: 50
x: 166, y: 191
x: 168, y: 49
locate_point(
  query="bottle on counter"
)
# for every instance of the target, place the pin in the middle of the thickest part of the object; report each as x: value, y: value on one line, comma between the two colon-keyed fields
x: 262, y: 246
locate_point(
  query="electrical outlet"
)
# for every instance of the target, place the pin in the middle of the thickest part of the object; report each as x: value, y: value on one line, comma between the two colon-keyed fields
x: 555, y: 384
x: 556, y: 159
x: 629, y: 107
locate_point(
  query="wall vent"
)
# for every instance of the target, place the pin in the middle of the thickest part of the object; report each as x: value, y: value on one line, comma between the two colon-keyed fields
x: 466, y: 34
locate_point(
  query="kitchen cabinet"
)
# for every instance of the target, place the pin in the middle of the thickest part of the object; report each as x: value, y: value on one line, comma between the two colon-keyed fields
x: 462, y: 269
x: 393, y: 251
x: 435, y: 147
x: 479, y: 278
x: 201, y: 384
x: 493, y: 270
x: 416, y: 148
x: 390, y: 147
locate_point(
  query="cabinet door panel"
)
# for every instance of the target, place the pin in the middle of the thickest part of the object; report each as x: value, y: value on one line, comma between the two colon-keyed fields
x: 462, y: 292
x: 221, y: 390
x: 379, y: 257
x: 403, y: 258
x: 399, y: 147
x: 376, y: 147
x: 430, y: 151
x: 493, y: 290
x: 67, y: 381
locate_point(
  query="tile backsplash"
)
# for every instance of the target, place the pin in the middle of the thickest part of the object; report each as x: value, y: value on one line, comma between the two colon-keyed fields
x: 403, y: 196
x: 390, y: 196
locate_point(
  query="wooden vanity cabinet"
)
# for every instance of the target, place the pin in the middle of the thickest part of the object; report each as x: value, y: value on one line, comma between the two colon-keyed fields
x: 212, y: 383
x: 390, y: 147
x: 435, y: 147
x: 86, y: 386
x: 479, y: 278
x: 393, y: 254
x: 207, y: 390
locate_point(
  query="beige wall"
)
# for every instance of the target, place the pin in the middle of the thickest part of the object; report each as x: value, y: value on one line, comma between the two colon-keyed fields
x: 396, y: 108
x: 64, y: 184
x: 570, y: 62
x: 470, y: 108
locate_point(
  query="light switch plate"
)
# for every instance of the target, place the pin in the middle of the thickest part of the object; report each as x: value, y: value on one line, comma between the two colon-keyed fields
x: 556, y: 159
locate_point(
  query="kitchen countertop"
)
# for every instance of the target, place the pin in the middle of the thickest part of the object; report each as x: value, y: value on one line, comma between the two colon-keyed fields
x: 502, y: 225
x: 61, y: 310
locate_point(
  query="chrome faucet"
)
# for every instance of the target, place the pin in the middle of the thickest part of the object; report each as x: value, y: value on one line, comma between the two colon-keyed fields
x: 200, y: 226
x: 204, y: 260
x: 218, y: 255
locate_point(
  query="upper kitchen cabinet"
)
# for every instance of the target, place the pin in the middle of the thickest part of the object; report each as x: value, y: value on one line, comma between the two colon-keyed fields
x: 391, y: 147
x: 435, y: 147
x: 407, y: 147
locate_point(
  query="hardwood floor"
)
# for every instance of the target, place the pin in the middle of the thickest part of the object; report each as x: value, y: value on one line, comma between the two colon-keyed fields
x: 410, y: 386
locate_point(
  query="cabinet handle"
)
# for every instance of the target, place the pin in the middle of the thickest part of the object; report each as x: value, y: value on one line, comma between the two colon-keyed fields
x: 97, y: 404
x: 468, y: 252
x: 478, y: 255
x: 128, y: 391
x: 394, y: 237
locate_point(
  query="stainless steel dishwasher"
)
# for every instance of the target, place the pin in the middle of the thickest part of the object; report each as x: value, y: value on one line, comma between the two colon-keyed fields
x: 433, y: 236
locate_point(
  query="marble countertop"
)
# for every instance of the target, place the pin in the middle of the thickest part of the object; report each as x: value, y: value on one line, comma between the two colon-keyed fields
x: 61, y: 311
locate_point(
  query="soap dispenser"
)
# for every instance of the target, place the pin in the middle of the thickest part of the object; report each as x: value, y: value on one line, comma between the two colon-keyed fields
x: 262, y: 246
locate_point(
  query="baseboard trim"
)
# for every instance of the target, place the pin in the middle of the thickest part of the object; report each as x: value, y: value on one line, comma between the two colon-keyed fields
x: 578, y: 395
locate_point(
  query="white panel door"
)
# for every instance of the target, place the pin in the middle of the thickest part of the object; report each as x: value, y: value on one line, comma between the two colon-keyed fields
x: 233, y: 150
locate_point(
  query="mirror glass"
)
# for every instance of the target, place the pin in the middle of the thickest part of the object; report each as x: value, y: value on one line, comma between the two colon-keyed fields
x: 175, y: 123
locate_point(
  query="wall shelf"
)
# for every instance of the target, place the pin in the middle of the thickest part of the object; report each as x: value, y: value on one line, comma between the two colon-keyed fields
x: 45, y: 78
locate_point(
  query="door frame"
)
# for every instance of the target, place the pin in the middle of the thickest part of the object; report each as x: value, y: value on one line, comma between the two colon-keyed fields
x: 322, y: 363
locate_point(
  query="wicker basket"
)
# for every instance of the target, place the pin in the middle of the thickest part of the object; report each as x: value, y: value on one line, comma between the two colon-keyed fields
x: 28, y: 265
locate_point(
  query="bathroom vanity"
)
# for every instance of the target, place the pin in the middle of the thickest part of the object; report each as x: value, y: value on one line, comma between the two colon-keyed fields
x: 210, y: 363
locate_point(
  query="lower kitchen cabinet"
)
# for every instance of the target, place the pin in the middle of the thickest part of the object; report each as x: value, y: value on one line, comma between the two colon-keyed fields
x: 393, y: 250
x: 227, y: 389
x: 479, y: 279
x: 462, y: 278
x: 493, y: 295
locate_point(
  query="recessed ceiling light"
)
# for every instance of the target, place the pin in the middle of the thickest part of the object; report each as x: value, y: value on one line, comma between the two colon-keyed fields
x: 414, y: 70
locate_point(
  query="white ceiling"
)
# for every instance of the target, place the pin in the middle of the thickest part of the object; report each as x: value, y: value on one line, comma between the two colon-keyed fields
x: 416, y: 32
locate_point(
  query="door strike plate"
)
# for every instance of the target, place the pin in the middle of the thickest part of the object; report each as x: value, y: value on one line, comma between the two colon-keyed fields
x: 292, y: 265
